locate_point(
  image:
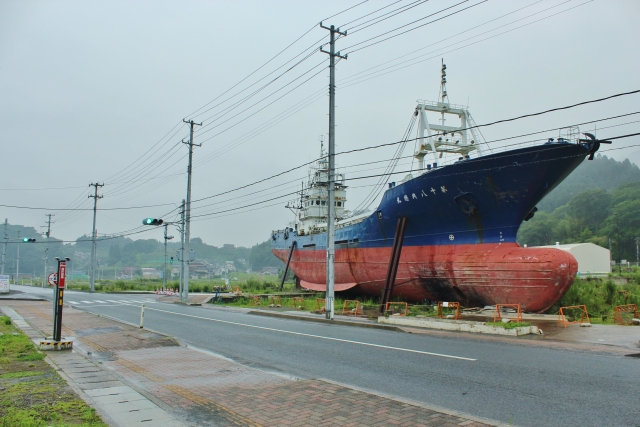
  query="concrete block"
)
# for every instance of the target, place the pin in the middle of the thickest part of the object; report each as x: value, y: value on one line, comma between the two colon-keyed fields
x: 51, y: 345
x: 458, y: 325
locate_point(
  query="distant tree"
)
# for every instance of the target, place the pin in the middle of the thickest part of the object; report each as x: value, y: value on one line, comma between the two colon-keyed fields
x: 538, y: 231
x: 590, y: 207
x: 603, y: 172
x: 261, y: 256
x: 115, y: 254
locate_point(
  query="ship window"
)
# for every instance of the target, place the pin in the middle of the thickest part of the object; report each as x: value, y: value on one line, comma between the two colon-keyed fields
x: 323, y: 203
x: 317, y: 202
x: 339, y: 203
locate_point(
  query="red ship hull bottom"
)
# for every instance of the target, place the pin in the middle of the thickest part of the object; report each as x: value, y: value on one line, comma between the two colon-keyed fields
x: 474, y: 275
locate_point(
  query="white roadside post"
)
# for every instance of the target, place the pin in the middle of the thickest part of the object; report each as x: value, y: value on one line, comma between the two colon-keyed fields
x: 142, y: 316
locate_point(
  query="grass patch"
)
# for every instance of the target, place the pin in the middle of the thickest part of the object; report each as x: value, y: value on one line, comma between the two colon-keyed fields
x: 30, y: 357
x: 35, y: 402
x: 21, y: 374
x: 509, y: 325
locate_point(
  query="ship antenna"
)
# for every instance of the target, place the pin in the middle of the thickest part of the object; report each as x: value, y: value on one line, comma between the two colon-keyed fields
x: 321, y: 138
x: 442, y: 96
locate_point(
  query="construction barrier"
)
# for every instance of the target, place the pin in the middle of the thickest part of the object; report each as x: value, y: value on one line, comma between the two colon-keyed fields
x: 562, y: 315
x: 321, y: 304
x: 623, y: 314
x: 297, y: 302
x: 449, y: 305
x: 497, y: 316
x: 255, y: 300
x: 401, y: 304
x: 275, y: 301
x: 350, y: 310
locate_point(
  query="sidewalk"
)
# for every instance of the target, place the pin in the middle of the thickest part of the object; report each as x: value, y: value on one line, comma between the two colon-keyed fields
x: 125, y: 371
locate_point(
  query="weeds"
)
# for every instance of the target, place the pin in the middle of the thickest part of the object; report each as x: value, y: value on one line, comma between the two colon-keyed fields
x: 509, y: 325
x: 600, y: 296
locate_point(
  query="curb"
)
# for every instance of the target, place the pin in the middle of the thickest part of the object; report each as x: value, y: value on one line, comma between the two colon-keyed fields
x: 331, y: 322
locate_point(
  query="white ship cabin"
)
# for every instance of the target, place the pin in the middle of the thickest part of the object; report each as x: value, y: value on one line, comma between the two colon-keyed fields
x: 313, y: 213
x: 438, y: 139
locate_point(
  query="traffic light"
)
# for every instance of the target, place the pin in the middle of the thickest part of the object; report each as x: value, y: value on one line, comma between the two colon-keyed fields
x: 171, y: 260
x: 28, y: 240
x: 152, y: 221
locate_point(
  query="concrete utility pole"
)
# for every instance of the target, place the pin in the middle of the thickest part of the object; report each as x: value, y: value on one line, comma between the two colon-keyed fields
x: 46, y: 250
x: 164, y: 272
x: 4, y: 247
x: 331, y: 211
x: 92, y: 271
x: 181, y: 247
x: 187, y: 229
x: 17, y: 278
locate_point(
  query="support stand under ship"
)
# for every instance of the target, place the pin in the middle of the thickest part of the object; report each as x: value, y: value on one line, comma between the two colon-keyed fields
x: 446, y: 232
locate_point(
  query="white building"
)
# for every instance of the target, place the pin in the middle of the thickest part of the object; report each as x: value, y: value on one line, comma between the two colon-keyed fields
x: 593, y: 260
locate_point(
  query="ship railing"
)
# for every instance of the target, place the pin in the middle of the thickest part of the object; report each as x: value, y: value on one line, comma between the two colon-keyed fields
x: 510, y: 147
x: 440, y: 104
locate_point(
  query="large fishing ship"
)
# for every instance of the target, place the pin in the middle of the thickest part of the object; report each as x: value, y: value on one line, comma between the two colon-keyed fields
x: 459, y: 216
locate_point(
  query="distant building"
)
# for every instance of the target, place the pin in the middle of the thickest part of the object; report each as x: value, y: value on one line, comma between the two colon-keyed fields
x: 593, y: 260
x: 127, y: 272
x: 269, y: 271
x: 151, y: 273
x: 228, y: 246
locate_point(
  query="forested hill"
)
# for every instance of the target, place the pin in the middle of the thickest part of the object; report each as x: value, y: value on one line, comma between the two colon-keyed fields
x: 602, y: 172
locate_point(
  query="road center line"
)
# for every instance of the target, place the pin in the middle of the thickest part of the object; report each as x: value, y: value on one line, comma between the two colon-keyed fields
x: 408, y: 350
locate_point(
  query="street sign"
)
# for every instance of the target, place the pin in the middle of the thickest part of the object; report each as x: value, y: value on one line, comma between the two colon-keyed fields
x: 52, y: 279
x: 62, y: 278
x: 4, y: 284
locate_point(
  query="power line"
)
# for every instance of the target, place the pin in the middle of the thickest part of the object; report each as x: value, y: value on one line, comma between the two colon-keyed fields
x: 415, y: 28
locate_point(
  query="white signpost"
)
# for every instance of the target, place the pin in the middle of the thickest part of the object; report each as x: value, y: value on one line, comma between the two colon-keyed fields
x: 4, y: 284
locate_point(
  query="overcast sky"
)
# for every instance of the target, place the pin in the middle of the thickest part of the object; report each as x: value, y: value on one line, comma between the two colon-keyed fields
x: 96, y: 91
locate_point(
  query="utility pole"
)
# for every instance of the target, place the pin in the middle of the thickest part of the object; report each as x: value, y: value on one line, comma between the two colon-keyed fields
x: 181, y: 247
x: 637, y: 253
x: 46, y: 250
x: 17, y: 278
x: 187, y: 229
x: 164, y: 272
x: 95, y: 197
x: 331, y: 211
x: 4, y: 248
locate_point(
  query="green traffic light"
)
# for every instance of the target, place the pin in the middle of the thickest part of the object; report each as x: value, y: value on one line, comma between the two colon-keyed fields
x: 152, y: 221
x: 26, y: 239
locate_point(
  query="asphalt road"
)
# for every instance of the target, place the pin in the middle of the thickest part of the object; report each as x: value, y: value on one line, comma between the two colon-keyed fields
x: 523, y: 385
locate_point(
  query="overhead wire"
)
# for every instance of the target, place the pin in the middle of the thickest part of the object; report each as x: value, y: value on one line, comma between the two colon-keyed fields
x: 352, y: 80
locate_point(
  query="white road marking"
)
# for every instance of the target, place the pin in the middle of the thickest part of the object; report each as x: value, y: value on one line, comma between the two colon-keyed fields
x: 408, y: 350
x: 73, y: 302
x: 110, y: 300
x: 87, y: 302
x: 101, y: 302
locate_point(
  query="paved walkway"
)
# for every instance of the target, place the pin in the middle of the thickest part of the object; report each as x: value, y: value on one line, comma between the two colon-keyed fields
x: 135, y: 375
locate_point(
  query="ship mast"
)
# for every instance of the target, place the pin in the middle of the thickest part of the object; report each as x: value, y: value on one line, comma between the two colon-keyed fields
x: 447, y: 139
